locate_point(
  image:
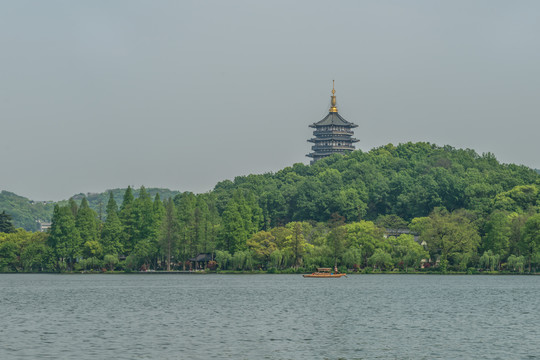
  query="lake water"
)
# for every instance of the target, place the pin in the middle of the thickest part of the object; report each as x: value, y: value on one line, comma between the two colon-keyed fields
x: 268, y: 317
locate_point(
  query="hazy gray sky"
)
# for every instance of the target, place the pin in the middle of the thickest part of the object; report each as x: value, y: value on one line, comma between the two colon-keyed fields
x: 182, y: 94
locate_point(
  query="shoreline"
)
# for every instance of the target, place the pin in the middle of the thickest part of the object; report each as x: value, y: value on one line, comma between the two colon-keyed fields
x: 483, y: 273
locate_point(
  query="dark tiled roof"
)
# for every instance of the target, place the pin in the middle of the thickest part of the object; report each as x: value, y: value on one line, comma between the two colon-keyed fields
x: 334, y: 118
x: 202, y: 257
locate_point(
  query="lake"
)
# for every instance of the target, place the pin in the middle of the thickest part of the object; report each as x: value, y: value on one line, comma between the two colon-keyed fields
x: 160, y: 316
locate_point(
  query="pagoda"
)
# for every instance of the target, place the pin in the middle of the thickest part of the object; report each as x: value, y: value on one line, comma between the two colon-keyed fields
x: 333, y: 134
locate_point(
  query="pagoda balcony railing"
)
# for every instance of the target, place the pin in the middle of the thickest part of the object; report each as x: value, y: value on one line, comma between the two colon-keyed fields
x: 346, y: 139
x: 332, y: 147
x: 333, y: 132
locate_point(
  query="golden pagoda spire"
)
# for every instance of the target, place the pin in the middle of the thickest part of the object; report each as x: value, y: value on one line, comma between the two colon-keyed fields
x: 333, y: 109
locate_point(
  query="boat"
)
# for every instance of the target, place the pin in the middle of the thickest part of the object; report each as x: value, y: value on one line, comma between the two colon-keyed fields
x: 324, y: 273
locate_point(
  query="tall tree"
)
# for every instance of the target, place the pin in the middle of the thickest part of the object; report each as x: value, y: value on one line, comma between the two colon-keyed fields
x: 185, y: 205
x: 530, y: 243
x: 86, y: 222
x: 73, y: 206
x: 6, y: 225
x: 127, y: 217
x: 169, y: 235
x: 449, y: 234
x: 64, y: 236
x: 498, y: 232
x: 336, y: 237
x: 111, y: 235
x: 144, y: 217
x: 158, y: 212
x: 296, y: 242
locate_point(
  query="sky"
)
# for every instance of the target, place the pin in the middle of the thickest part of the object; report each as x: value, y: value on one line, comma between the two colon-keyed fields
x: 102, y: 94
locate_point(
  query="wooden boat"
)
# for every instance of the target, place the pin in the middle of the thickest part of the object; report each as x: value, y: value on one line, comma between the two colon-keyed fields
x: 324, y: 273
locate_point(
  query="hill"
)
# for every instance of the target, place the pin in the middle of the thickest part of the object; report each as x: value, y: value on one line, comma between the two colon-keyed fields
x: 26, y: 213
x: 408, y: 180
x: 468, y: 211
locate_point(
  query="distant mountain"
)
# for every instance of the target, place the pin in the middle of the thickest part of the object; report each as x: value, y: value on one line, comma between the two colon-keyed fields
x: 537, y: 170
x: 26, y: 213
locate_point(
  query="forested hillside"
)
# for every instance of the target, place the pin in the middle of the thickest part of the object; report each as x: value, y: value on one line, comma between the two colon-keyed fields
x: 469, y: 212
x: 407, y: 180
x: 26, y: 213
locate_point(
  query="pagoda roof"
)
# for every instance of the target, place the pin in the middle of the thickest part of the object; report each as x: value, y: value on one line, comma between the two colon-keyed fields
x: 333, y: 118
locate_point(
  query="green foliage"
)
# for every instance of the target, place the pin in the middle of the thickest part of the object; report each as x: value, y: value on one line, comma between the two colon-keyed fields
x: 381, y: 260
x: 110, y: 261
x: 516, y: 263
x: 262, y: 244
x: 128, y: 219
x: 448, y: 235
x: 111, y: 234
x: 335, y: 212
x: 64, y: 237
x: 87, y: 223
x: 241, y: 219
x: 223, y: 258
x: 24, y: 212
x: 530, y: 241
x: 498, y: 231
x: 8, y: 256
x: 6, y: 226
x: 489, y: 261
x: 366, y: 236
x: 169, y: 232
x: 406, y: 251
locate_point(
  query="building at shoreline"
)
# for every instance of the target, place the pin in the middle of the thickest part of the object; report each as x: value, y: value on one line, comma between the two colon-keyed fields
x: 333, y: 134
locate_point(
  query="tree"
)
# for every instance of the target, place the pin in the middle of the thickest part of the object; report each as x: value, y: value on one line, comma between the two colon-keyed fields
x: 296, y: 242
x: 276, y: 258
x: 353, y: 258
x: 158, y: 213
x: 489, y: 260
x: 144, y: 216
x: 223, y: 259
x: 336, y: 242
x: 380, y: 259
x: 111, y: 235
x: 240, y: 220
x: 391, y: 222
x: 110, y: 261
x: 128, y: 220
x: 86, y: 222
x: 6, y: 225
x: 262, y: 244
x: 530, y: 241
x: 407, y: 251
x: 169, y: 234
x: 35, y: 255
x: 498, y: 232
x: 448, y: 234
x: 8, y: 256
x: 185, y: 206
x: 519, y: 199
x: 516, y: 263
x: 64, y: 236
x: 73, y: 206
x: 364, y: 235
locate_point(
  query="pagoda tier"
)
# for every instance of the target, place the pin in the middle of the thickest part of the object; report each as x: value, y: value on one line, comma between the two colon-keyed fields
x: 333, y: 134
